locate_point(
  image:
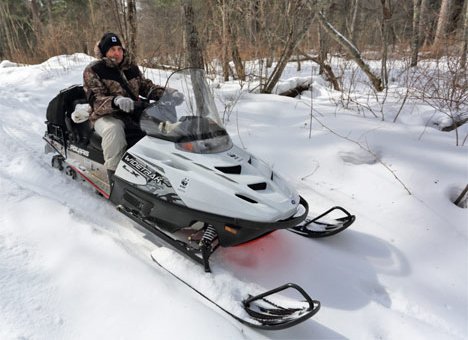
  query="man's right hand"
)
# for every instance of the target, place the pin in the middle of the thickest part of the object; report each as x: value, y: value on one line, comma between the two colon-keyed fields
x: 124, y: 103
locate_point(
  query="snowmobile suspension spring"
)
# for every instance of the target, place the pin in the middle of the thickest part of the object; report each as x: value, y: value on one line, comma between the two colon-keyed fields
x: 209, y: 235
x: 206, y: 245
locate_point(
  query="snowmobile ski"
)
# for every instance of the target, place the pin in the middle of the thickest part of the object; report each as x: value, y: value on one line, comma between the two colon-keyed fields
x: 320, y: 226
x: 264, y: 310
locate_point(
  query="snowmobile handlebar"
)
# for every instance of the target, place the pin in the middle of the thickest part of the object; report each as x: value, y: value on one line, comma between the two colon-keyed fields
x: 172, y: 100
x: 140, y: 105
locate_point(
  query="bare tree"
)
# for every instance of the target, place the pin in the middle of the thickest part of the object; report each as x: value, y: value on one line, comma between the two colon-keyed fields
x: 296, y: 10
x: 229, y: 30
x: 230, y: 18
x: 236, y: 58
x: 427, y: 23
x: 415, y: 32
x: 442, y: 24
x: 464, y: 39
x: 222, y: 6
x: 92, y: 15
x: 15, y: 31
x: 384, y: 31
x: 352, y: 51
x: 462, y: 199
x: 354, y: 21
x: 445, y: 88
x: 195, y: 54
x: 124, y: 16
x: 36, y: 18
x: 132, y: 29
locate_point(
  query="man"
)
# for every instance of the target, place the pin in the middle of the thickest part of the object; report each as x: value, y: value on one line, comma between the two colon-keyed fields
x: 113, y: 85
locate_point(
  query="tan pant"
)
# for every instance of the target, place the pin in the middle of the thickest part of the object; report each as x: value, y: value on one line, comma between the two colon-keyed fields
x: 113, y: 143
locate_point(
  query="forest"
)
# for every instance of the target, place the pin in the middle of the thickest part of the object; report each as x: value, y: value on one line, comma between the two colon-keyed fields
x: 253, y: 40
x: 235, y: 31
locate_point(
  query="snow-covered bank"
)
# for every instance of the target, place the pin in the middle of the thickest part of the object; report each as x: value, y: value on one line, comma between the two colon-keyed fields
x: 71, y: 267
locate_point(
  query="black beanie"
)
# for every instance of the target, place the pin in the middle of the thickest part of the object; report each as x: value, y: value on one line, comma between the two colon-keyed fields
x: 107, y: 41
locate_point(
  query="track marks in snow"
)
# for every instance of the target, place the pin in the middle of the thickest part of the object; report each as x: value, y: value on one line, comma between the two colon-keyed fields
x: 405, y: 309
x: 27, y: 302
x: 404, y: 305
x: 357, y: 157
x: 377, y: 293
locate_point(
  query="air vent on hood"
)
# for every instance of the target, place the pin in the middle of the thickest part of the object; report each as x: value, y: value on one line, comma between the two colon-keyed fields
x: 258, y: 186
x: 232, y: 170
x: 227, y: 178
x: 202, y: 166
x: 179, y: 155
x: 245, y: 198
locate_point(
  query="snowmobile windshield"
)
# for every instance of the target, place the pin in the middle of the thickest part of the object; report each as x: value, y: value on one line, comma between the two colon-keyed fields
x: 187, y: 116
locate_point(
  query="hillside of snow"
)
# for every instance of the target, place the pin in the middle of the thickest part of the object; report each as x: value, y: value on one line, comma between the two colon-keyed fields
x: 72, y: 267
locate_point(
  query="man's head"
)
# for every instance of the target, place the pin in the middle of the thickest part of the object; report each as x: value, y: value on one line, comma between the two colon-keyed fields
x: 111, y: 47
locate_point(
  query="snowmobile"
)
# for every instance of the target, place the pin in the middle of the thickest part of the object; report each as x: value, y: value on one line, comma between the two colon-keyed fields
x: 184, y: 180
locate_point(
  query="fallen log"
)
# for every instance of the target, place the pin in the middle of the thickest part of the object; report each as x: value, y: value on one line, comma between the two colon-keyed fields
x: 295, y: 91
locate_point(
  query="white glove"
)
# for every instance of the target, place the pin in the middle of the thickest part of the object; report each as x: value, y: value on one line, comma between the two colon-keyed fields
x: 167, y: 127
x: 124, y: 103
x: 81, y: 113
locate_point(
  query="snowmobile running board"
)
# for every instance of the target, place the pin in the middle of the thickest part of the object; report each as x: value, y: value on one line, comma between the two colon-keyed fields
x: 179, y: 245
x: 315, y: 228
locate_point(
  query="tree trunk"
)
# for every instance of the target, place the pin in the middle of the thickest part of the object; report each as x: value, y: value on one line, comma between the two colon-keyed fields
x: 352, y: 29
x: 460, y: 197
x: 132, y: 25
x: 352, y: 51
x: 323, y: 48
x: 236, y: 58
x: 288, y: 50
x: 195, y: 54
x: 296, y: 32
x: 386, y: 15
x: 7, y: 45
x: 36, y: 18
x: 442, y: 24
x: 465, y: 39
x: 195, y: 57
x: 10, y: 29
x: 415, y: 33
x: 295, y: 91
x: 225, y: 46
x: 426, y: 34
x: 299, y: 65
x: 326, y: 70
x: 49, y: 10
x: 116, y: 10
x: 256, y: 17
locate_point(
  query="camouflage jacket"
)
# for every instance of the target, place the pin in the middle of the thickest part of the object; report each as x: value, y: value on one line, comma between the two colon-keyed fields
x: 103, y: 79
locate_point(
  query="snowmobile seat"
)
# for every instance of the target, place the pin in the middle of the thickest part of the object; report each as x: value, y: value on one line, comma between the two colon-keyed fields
x: 82, y: 134
x: 60, y: 123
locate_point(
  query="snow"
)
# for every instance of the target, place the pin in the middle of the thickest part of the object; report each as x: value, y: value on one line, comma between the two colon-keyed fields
x: 72, y: 267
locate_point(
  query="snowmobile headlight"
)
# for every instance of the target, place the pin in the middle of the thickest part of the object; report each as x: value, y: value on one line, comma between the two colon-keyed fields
x: 212, y: 145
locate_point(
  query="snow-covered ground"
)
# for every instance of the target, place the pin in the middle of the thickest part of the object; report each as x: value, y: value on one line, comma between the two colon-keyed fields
x: 72, y: 267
